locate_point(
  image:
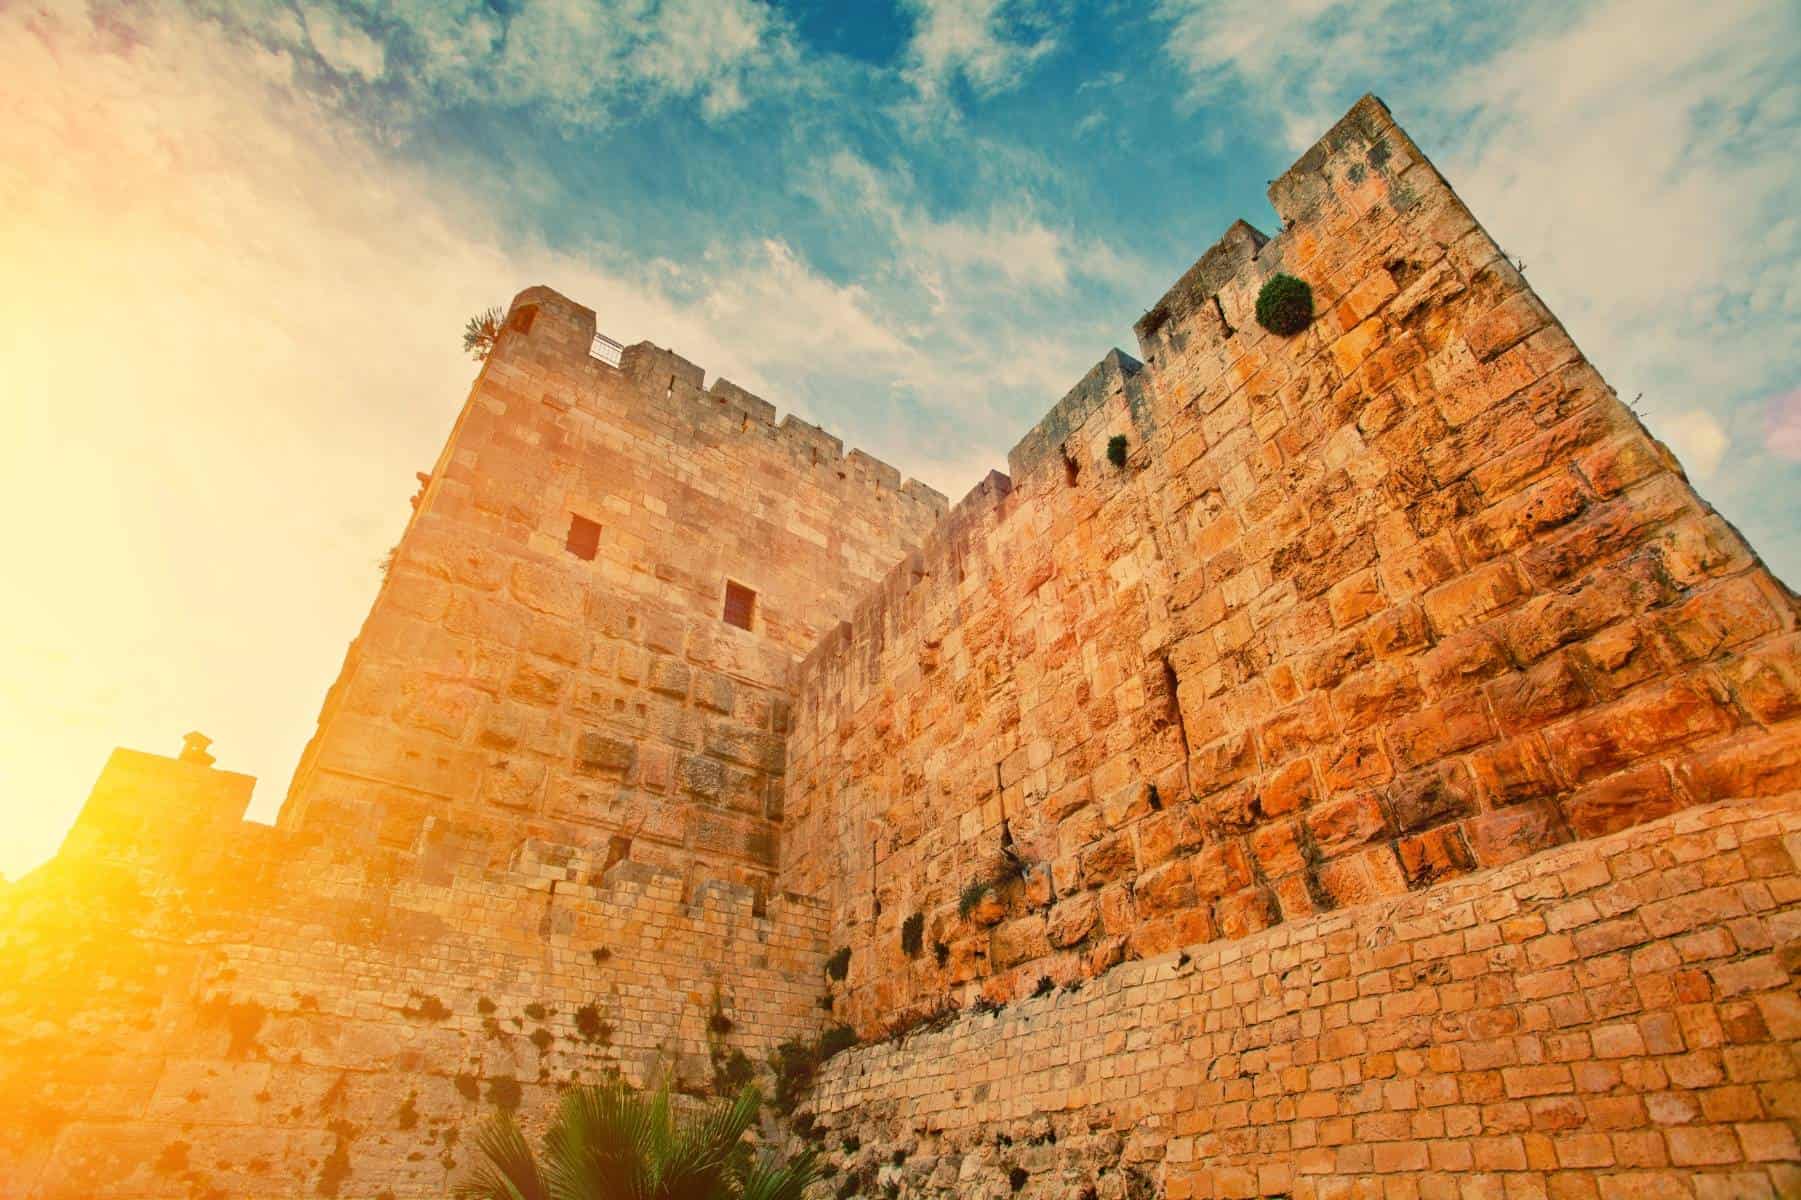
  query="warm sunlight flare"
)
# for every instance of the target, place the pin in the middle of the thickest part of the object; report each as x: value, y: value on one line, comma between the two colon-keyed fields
x: 766, y: 600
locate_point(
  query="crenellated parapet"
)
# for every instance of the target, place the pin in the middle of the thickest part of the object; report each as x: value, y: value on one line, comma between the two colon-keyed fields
x: 668, y: 380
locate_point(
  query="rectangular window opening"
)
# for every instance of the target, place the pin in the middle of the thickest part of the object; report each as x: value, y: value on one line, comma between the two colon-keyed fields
x: 740, y: 604
x: 584, y: 537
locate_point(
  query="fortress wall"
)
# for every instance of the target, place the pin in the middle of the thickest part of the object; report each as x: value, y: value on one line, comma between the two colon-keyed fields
x: 252, y: 1014
x: 1613, y: 1020
x: 1367, y: 609
x: 541, y: 783
x: 503, y: 683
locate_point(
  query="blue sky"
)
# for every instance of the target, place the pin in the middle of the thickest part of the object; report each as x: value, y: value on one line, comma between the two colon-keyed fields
x: 243, y: 237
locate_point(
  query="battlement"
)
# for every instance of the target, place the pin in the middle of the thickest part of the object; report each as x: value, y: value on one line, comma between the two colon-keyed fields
x: 566, y: 329
x: 1197, y: 318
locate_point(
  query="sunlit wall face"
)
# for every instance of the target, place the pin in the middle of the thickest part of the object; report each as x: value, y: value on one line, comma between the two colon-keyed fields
x: 238, y: 242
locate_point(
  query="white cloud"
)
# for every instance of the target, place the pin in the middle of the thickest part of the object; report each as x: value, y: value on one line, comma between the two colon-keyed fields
x: 1697, y: 438
x: 990, y: 44
x: 1004, y: 248
x: 344, y: 46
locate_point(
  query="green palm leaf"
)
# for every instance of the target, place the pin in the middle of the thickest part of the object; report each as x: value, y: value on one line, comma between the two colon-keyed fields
x: 767, y: 1177
x: 609, y: 1141
x: 508, y: 1172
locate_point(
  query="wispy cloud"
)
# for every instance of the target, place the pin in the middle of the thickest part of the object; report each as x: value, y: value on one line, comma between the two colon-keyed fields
x: 987, y: 44
x: 588, y: 62
x: 1782, y: 426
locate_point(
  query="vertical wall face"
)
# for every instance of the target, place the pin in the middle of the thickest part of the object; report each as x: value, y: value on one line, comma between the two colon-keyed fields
x: 548, y: 655
x: 1610, y: 1020
x: 530, y: 842
x: 213, y: 1008
x: 1367, y: 608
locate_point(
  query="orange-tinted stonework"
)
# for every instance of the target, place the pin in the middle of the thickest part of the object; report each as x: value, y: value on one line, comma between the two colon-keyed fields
x: 1382, y: 782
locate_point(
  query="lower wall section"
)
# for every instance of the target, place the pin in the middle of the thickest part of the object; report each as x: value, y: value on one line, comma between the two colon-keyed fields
x: 274, y: 1022
x: 1612, y: 1019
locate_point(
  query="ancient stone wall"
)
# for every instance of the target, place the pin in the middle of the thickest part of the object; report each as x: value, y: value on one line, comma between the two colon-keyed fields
x: 532, y: 839
x: 1362, y: 610
x: 1353, y: 763
x: 261, y: 1015
x: 1613, y: 1020
x: 517, y: 681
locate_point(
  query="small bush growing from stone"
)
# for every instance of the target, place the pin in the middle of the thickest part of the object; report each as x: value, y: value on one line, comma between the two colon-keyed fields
x: 1285, y: 305
x: 485, y: 1007
x: 793, y: 1063
x: 1045, y: 986
x: 941, y: 952
x: 913, y: 931
x: 719, y: 1023
x: 426, y: 1008
x: 536, y: 1011
x: 542, y: 1039
x: 601, y: 954
x: 852, y: 1143
x: 972, y: 895
x: 838, y: 966
x: 469, y: 1087
x: 732, y: 1073
x: 1116, y: 449
x: 1016, y: 1178
x: 838, y: 1037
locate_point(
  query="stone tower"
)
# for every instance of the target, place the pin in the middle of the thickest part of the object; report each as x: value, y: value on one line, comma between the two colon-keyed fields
x: 587, y: 630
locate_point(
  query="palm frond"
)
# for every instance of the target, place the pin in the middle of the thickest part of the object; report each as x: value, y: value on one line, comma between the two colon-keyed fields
x: 506, y: 1170
x: 481, y: 332
x: 767, y: 1177
x: 602, y: 1144
x: 700, y: 1153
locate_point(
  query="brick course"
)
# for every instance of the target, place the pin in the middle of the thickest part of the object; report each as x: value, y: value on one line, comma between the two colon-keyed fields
x: 1443, y: 1043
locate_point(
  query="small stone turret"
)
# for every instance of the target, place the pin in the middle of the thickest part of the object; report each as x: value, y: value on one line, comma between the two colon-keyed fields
x: 193, y: 749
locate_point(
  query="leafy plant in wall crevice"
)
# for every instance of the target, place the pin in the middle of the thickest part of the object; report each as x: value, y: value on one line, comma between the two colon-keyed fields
x: 1285, y: 305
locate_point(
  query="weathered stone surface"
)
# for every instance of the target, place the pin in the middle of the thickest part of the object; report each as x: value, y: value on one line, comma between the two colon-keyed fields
x: 604, y: 753
x: 1374, y: 620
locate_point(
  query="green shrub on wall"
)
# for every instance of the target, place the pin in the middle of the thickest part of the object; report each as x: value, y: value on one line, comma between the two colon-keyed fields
x: 1285, y: 305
